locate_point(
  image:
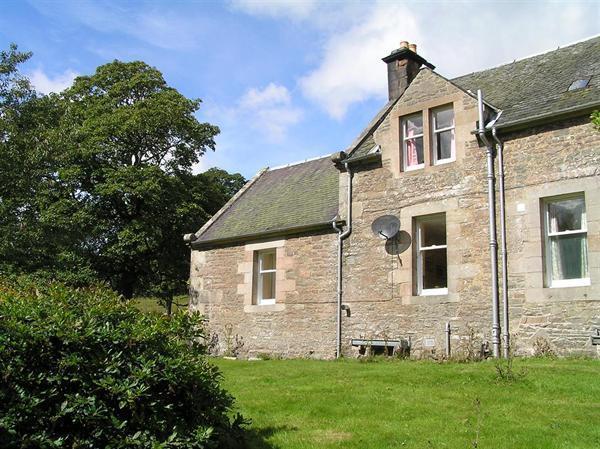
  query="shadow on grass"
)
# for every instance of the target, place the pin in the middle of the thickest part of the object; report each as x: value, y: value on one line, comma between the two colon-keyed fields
x: 257, y: 438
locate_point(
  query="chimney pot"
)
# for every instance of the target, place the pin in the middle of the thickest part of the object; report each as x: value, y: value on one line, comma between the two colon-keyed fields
x: 403, y: 65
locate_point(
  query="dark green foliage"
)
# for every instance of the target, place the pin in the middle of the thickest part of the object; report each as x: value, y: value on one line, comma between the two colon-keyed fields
x: 82, y: 369
x: 96, y: 182
x: 596, y: 119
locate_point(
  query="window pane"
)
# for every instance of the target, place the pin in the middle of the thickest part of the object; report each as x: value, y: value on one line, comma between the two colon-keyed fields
x: 435, y: 274
x: 444, y: 118
x: 414, y: 151
x: 566, y: 215
x: 433, y: 231
x: 414, y: 125
x: 268, y: 260
x: 268, y: 285
x: 568, y: 257
x: 444, y: 143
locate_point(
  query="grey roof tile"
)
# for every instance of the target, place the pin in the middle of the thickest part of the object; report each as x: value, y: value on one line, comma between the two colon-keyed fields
x: 538, y: 85
x: 297, y: 195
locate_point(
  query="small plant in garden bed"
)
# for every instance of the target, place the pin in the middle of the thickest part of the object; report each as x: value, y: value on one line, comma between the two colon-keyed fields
x: 82, y: 369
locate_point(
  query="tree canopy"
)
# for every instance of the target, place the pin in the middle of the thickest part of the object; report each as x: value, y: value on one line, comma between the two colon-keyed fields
x: 97, y: 181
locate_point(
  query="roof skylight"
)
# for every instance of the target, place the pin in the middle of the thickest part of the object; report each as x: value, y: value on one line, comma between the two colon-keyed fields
x: 579, y: 84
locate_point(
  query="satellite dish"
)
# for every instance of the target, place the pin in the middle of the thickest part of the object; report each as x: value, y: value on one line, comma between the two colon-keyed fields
x: 398, y: 244
x: 386, y: 226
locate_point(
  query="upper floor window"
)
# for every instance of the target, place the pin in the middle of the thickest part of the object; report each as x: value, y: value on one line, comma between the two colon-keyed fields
x: 412, y: 142
x: 442, y: 123
x: 565, y: 233
x: 265, y: 276
x: 431, y: 255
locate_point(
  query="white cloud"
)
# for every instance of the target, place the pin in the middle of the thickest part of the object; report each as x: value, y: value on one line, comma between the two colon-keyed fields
x: 47, y: 84
x: 349, y: 71
x: 270, y: 96
x: 270, y: 110
x: 293, y: 9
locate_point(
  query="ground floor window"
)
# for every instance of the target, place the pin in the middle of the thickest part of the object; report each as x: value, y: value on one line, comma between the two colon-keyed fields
x: 431, y: 255
x: 265, y: 276
x: 565, y: 241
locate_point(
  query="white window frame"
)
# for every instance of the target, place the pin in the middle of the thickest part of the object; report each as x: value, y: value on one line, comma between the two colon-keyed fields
x: 259, y: 277
x: 419, y: 249
x: 405, y: 138
x: 560, y: 283
x: 435, y: 131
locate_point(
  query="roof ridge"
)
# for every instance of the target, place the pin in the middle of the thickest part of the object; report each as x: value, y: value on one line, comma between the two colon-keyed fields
x: 291, y: 164
x: 528, y: 57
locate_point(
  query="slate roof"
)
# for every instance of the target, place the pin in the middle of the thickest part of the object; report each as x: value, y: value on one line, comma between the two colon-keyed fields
x: 530, y: 88
x: 295, y: 196
x: 538, y: 86
x: 306, y: 194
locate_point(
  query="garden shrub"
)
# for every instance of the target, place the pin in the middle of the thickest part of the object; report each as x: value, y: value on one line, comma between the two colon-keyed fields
x: 79, y: 368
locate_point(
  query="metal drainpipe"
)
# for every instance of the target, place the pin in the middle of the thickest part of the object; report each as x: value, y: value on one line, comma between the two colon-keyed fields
x: 341, y: 237
x: 505, y: 323
x: 493, y: 240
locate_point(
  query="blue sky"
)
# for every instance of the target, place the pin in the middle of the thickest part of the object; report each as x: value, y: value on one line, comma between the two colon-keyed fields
x: 285, y: 80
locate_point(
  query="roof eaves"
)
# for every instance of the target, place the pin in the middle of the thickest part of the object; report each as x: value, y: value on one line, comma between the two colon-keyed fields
x: 366, y: 158
x: 548, y: 116
x: 264, y: 234
x: 229, y: 203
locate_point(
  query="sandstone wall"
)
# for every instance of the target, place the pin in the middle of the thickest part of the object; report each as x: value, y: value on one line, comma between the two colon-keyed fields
x: 380, y: 289
x: 302, y: 321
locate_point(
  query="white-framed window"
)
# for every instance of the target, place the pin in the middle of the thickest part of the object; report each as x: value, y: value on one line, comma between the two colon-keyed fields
x: 565, y: 241
x: 431, y: 255
x: 413, y: 156
x: 442, y: 135
x: 265, y: 276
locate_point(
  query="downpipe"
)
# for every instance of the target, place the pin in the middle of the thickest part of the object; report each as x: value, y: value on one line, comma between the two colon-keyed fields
x: 492, y: 221
x: 342, y: 235
x: 503, y: 253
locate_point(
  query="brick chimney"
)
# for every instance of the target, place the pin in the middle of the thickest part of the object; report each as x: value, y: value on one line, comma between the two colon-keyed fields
x: 403, y: 64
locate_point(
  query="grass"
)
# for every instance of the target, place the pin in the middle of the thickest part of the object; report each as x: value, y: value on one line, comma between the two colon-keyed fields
x: 151, y: 304
x: 407, y: 404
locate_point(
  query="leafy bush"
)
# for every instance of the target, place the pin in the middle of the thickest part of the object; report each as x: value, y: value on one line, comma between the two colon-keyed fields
x: 79, y: 368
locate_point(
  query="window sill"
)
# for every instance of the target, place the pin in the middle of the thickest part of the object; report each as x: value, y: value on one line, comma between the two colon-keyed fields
x: 571, y: 283
x: 430, y: 299
x: 255, y: 308
x: 414, y: 168
x: 435, y: 291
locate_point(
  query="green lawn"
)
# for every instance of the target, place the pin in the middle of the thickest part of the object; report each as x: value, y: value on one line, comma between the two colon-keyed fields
x: 409, y: 404
x: 150, y: 303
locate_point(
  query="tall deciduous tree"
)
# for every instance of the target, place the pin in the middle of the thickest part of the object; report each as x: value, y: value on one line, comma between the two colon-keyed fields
x: 96, y: 182
x: 129, y: 142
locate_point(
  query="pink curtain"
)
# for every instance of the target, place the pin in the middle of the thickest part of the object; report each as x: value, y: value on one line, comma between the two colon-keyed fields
x: 412, y: 158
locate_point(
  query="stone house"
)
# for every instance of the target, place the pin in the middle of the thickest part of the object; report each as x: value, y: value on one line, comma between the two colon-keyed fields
x: 265, y: 267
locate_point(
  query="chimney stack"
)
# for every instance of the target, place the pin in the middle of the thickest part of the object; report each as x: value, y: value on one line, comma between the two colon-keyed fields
x: 403, y: 64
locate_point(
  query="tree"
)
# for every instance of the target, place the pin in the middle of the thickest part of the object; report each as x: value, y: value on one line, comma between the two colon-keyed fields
x: 596, y: 119
x: 96, y: 182
x: 32, y: 238
x: 129, y: 142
